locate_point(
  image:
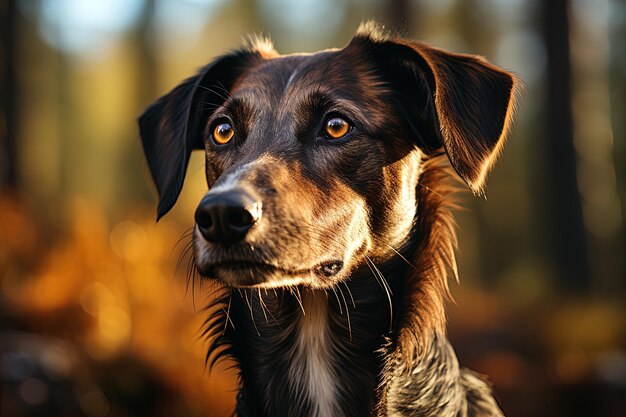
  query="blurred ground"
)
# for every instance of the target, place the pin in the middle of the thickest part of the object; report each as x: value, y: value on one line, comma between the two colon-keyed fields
x: 96, y: 321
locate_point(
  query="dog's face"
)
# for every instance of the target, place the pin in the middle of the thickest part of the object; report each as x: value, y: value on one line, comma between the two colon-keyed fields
x: 312, y: 160
x: 323, y: 165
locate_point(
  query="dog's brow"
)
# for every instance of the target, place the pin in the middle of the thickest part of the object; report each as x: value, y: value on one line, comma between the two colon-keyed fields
x: 256, y: 94
x: 316, y: 99
x: 237, y: 107
x: 320, y: 101
x: 234, y: 104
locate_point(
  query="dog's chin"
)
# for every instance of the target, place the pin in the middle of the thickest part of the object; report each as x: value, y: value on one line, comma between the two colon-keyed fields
x: 257, y: 275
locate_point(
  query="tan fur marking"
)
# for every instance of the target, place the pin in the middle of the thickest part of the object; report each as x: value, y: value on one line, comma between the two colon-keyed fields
x: 434, y: 257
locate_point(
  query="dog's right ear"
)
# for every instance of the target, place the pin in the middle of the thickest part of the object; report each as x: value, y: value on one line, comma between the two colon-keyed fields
x: 173, y: 126
x: 456, y: 101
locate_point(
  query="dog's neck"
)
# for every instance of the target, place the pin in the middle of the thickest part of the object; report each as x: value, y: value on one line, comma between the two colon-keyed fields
x: 309, y: 352
x: 317, y: 354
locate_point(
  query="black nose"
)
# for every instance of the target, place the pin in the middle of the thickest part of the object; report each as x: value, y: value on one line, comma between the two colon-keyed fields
x: 226, y: 217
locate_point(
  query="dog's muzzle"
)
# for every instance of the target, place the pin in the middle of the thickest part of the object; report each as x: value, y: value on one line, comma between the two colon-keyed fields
x: 226, y: 217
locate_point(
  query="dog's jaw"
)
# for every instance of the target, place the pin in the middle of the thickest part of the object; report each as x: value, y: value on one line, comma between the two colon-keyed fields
x: 242, y: 268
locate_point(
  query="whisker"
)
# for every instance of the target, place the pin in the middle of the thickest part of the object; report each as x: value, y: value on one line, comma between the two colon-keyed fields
x: 401, y: 256
x: 188, y: 254
x: 376, y: 271
x: 186, y: 234
x: 183, y: 255
x: 347, y: 312
x: 282, y: 300
x: 228, y: 319
x: 349, y: 293
x: 373, y: 273
x: 211, y: 90
x: 338, y: 302
x: 191, y: 271
x: 262, y: 304
x: 270, y: 311
x: 251, y: 311
x: 298, y: 298
x: 220, y: 85
x: 383, y: 279
x: 193, y: 286
x: 209, y: 106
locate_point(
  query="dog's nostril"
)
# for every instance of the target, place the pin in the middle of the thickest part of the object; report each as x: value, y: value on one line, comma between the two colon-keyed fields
x: 328, y: 269
x: 203, y: 218
x: 240, y: 218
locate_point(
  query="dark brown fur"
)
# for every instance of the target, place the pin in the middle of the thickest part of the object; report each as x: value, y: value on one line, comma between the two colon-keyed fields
x: 342, y: 281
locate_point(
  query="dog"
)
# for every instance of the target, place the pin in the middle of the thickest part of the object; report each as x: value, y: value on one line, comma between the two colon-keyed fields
x: 328, y: 217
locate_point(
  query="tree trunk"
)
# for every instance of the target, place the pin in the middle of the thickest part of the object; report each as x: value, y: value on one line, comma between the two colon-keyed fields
x: 8, y: 99
x: 618, y: 106
x: 568, y: 237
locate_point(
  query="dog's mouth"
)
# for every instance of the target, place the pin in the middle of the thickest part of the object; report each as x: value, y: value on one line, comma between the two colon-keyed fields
x: 247, y: 274
x: 279, y: 263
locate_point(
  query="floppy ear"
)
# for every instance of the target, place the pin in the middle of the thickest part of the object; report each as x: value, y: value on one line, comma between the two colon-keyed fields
x: 173, y: 126
x: 457, y: 101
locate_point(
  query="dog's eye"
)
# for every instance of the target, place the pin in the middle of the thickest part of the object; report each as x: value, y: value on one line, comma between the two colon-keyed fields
x: 223, y: 133
x: 336, y: 127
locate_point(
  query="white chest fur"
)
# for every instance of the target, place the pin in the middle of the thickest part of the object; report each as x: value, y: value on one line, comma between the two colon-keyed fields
x: 311, y: 371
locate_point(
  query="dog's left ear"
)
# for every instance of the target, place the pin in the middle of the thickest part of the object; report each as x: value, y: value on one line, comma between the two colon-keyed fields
x: 173, y: 126
x: 457, y: 101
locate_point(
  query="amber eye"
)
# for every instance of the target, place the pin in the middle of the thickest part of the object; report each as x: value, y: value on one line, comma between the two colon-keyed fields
x: 223, y: 133
x: 336, y: 127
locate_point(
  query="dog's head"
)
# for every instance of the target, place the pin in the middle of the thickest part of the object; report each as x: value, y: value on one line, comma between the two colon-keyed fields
x: 312, y: 160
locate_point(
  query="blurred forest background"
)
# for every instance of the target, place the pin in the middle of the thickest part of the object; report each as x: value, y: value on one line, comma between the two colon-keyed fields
x: 96, y: 319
